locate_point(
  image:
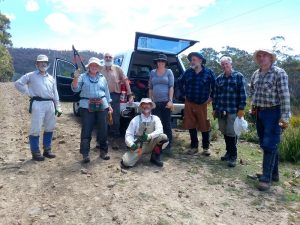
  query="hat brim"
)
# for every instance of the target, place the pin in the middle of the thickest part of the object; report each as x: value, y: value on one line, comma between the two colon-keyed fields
x: 87, y: 65
x: 197, y: 55
x: 273, y: 55
x: 152, y: 103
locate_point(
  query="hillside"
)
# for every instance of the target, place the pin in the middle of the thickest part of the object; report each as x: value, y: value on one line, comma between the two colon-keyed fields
x: 24, y: 58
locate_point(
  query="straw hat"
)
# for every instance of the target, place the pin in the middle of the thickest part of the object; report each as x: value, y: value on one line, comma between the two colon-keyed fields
x: 268, y: 51
x: 147, y: 101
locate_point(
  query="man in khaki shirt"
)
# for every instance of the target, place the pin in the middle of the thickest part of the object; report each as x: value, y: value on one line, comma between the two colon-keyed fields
x: 115, y: 77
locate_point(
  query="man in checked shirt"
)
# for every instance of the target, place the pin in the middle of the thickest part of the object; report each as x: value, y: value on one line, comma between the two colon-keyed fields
x: 271, y: 105
x: 229, y: 102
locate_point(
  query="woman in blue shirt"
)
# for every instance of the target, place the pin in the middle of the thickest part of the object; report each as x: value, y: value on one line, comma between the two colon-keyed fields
x: 94, y: 106
x: 161, y: 91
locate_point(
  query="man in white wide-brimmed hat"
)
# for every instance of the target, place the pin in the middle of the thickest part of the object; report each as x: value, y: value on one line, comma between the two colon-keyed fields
x: 144, y: 135
x: 40, y: 86
x: 271, y: 105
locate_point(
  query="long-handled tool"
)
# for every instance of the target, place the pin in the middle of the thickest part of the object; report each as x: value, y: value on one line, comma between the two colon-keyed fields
x: 76, y: 56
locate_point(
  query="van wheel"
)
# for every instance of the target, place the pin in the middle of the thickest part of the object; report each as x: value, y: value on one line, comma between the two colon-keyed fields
x: 76, y: 108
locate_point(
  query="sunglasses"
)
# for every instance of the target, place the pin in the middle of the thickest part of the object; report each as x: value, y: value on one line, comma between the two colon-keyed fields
x: 108, y: 57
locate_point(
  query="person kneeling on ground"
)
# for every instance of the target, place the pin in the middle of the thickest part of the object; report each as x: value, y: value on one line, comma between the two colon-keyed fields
x: 147, y: 130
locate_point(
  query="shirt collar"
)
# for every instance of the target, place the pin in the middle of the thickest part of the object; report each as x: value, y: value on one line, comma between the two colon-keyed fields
x: 271, y: 69
x: 44, y: 75
x: 233, y: 74
x: 146, y: 118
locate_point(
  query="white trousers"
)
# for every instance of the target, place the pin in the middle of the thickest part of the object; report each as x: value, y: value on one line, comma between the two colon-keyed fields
x: 43, y: 114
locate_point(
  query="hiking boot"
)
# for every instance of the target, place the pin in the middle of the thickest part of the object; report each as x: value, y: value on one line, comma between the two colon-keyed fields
x: 86, y: 159
x: 192, y: 151
x: 155, y: 159
x: 231, y: 163
x: 36, y: 156
x: 225, y: 157
x: 48, y: 153
x: 263, y: 186
x: 206, y: 152
x: 104, y: 156
x: 123, y: 166
x: 274, y: 178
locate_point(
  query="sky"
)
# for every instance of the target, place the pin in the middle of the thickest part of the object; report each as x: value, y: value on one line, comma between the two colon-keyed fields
x: 110, y: 25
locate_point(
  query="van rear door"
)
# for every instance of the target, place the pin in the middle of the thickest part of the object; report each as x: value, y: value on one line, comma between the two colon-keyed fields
x: 63, y: 71
x: 162, y: 44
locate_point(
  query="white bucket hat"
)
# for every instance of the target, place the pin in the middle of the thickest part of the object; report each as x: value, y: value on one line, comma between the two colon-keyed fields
x: 42, y: 58
x: 93, y: 60
x: 147, y: 100
x: 268, y: 51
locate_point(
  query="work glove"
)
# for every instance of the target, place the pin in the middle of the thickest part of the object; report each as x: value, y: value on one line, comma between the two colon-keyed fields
x: 58, y: 112
x: 134, y: 147
x: 241, y: 113
x: 145, y: 137
x: 283, y: 124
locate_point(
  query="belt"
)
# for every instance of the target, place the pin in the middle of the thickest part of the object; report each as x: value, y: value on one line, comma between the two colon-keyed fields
x: 92, y: 98
x: 39, y: 99
x: 267, y: 108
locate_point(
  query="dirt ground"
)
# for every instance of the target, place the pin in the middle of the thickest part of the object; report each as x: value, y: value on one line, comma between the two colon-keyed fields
x: 63, y: 191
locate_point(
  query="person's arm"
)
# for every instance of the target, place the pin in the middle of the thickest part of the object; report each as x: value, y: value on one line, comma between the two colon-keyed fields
x: 215, y: 96
x: 77, y: 81
x: 242, y: 94
x: 56, y: 96
x: 150, y: 85
x: 158, y: 128
x: 284, y: 95
x: 171, y: 89
x: 107, y: 95
x: 129, y: 135
x: 212, y: 86
x: 22, y: 84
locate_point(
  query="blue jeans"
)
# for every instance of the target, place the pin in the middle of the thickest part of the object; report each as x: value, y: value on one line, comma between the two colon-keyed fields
x: 165, y: 116
x: 88, y: 121
x: 269, y: 132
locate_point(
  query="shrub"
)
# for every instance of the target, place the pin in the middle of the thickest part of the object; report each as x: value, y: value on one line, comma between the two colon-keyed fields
x: 289, y: 149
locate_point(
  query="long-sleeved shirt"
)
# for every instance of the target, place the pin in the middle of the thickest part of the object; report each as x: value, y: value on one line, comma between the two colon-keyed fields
x: 271, y: 89
x: 92, y: 87
x: 199, y: 87
x: 230, y: 93
x: 36, y: 84
x: 133, y: 128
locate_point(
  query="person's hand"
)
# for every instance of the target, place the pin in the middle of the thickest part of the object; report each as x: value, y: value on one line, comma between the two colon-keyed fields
x: 134, y: 147
x: 170, y: 105
x: 110, y: 109
x: 131, y: 99
x: 214, y: 114
x: 145, y: 137
x: 241, y: 113
x: 58, y: 111
x: 283, y: 124
x: 76, y: 74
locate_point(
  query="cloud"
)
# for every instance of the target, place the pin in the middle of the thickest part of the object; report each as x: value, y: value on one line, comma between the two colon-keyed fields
x: 10, y: 16
x: 110, y: 25
x: 59, y: 22
x: 32, y: 6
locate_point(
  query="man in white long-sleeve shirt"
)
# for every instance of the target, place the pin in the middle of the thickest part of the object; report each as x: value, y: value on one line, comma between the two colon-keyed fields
x: 40, y: 86
x: 144, y: 135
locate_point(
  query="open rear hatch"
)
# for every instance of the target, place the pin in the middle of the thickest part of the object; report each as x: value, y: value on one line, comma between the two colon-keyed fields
x: 155, y: 43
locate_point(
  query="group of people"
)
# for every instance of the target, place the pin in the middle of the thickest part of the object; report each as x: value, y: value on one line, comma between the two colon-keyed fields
x: 150, y: 132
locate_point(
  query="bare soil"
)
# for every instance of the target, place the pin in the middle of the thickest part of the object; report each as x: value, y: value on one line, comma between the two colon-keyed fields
x: 187, y: 190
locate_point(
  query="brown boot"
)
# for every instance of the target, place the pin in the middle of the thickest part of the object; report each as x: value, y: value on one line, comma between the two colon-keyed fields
x: 263, y: 186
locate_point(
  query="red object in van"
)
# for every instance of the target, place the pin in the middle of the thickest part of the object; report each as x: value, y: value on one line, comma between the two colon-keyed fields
x: 123, y: 96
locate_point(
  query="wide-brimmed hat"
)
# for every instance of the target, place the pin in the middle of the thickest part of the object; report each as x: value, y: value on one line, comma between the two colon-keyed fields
x: 42, y: 58
x: 147, y: 101
x: 161, y: 57
x: 197, y: 54
x: 268, y: 51
x: 93, y: 60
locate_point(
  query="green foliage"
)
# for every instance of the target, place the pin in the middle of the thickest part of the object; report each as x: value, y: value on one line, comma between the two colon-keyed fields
x: 4, y: 34
x: 290, y: 145
x: 6, y: 68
